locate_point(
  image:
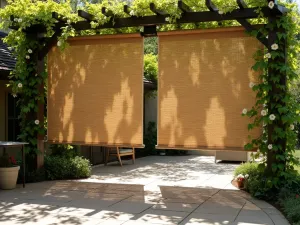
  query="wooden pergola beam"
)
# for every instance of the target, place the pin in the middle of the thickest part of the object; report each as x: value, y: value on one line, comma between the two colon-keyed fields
x: 184, y: 7
x: 156, y: 11
x: 241, y: 4
x: 85, y: 15
x: 188, y: 17
x: 58, y: 17
x: 248, y: 26
x: 126, y: 9
x: 211, y: 6
x: 106, y: 12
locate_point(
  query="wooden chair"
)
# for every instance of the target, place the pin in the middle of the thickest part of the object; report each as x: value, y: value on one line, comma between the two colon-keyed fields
x: 119, y: 152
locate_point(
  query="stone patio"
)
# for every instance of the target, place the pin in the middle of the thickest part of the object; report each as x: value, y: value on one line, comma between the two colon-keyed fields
x: 185, y: 190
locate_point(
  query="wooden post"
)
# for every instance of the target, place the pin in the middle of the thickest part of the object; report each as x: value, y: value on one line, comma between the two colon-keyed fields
x: 273, y: 96
x: 40, y: 115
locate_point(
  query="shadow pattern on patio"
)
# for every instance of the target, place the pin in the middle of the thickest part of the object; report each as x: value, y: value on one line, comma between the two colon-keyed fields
x: 140, y: 197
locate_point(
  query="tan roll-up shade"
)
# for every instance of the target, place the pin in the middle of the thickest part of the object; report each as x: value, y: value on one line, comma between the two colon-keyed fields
x: 95, y: 91
x: 203, y: 87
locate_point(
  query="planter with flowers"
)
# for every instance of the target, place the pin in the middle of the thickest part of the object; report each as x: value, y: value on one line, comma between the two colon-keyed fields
x: 9, y: 171
x: 240, y: 180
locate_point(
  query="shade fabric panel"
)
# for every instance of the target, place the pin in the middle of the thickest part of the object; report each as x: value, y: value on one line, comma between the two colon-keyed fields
x: 203, y: 87
x: 95, y: 91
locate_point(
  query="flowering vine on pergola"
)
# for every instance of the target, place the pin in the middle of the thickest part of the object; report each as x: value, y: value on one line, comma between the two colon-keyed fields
x: 272, y: 107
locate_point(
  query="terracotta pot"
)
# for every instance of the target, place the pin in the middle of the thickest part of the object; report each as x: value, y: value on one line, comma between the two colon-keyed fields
x: 8, y: 177
x: 240, y: 184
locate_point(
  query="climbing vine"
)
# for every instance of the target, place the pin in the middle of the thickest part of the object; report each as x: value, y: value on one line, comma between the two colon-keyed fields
x: 279, y: 110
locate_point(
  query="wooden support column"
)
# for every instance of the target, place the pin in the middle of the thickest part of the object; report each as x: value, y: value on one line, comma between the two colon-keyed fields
x: 40, y: 115
x: 274, y: 98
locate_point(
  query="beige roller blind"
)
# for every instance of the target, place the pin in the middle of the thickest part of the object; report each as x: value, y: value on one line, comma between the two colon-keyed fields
x: 95, y: 91
x: 203, y: 87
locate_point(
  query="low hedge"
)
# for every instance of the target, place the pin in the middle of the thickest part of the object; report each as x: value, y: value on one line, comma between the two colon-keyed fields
x: 57, y: 167
x: 287, y: 196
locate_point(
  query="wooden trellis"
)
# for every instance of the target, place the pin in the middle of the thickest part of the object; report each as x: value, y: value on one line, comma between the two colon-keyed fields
x: 242, y: 14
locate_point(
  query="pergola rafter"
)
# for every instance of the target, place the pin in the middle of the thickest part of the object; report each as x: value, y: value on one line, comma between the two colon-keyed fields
x: 242, y: 14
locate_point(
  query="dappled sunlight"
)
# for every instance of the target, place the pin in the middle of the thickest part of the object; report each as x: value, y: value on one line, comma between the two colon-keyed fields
x: 145, y: 192
x: 215, y: 118
x: 202, y: 95
x: 96, y: 89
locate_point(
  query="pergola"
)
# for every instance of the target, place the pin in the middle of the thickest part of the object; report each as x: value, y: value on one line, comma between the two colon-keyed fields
x: 150, y: 23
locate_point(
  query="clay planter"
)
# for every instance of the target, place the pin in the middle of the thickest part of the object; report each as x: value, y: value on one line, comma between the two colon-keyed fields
x: 240, y: 184
x: 8, y: 177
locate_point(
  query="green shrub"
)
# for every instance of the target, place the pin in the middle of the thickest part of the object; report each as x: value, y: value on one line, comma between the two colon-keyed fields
x: 67, y: 151
x: 291, y: 209
x: 150, y: 67
x: 57, y: 167
x: 256, y: 184
x: 247, y: 168
x: 150, y: 138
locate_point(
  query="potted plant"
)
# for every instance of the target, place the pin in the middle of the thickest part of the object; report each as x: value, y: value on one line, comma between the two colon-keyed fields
x: 240, y: 179
x: 8, y: 172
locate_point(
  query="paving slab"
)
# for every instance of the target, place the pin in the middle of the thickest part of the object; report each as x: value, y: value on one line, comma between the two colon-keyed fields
x: 178, y: 207
x: 155, y: 190
x: 161, y: 217
x: 130, y: 207
x: 206, y: 218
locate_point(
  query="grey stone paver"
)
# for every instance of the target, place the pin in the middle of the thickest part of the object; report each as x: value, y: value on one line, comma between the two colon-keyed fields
x: 190, y: 190
x: 178, y: 207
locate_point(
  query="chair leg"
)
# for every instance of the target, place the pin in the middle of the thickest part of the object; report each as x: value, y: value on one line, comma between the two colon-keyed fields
x: 133, y: 156
x: 107, y: 156
x: 119, y: 157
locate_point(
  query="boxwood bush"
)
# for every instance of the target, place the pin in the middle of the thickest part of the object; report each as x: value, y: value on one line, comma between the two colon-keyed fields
x: 57, y: 167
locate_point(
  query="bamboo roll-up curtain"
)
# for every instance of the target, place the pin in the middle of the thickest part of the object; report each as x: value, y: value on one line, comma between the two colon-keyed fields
x: 95, y: 91
x: 203, y: 87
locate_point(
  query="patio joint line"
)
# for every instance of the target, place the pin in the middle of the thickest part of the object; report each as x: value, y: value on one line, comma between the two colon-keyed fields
x: 121, y: 200
x: 198, y: 206
x: 265, y: 212
x: 240, y: 211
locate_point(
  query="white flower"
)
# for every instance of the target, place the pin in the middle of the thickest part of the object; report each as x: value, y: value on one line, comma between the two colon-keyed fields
x: 29, y: 51
x: 27, y: 57
x: 167, y: 19
x: 36, y: 74
x: 292, y: 127
x: 14, y: 95
x: 264, y: 105
x: 271, y: 4
x: 267, y: 36
x: 240, y: 176
x: 37, y: 122
x: 247, y: 176
x: 59, y: 43
x: 274, y: 47
x: 9, y: 48
x: 268, y: 56
x: 16, y: 19
x: 20, y: 20
x: 251, y: 85
x: 132, y: 13
x: 270, y: 146
x: 294, y: 19
x: 272, y: 117
x: 245, y: 111
x: 220, y: 12
x: 20, y: 85
x: 68, y: 21
x: 263, y: 112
